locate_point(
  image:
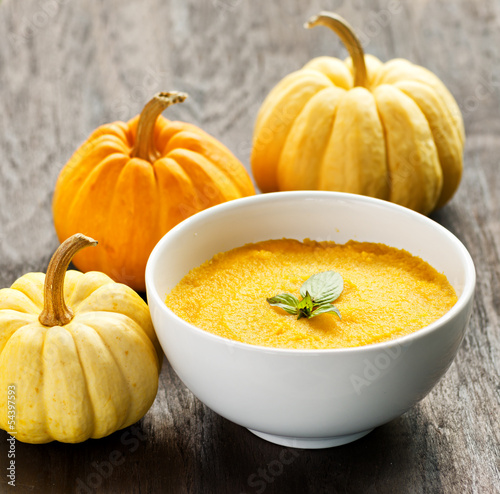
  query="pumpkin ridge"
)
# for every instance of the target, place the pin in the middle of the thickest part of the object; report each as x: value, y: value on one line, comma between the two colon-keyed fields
x: 277, y: 119
x: 14, y: 321
x: 114, y: 166
x: 114, y: 130
x: 119, y: 369
x: 17, y: 300
x: 330, y: 67
x: 31, y: 285
x: 139, y: 351
x: 176, y: 192
x: 169, y: 130
x: 283, y: 87
x: 69, y: 327
x: 69, y: 219
x: 297, y: 142
x: 386, y: 150
x: 85, y: 373
x: 70, y: 281
x: 86, y: 285
x: 216, y: 153
x: 354, y: 141
x: 455, y: 119
x: 95, y: 172
x: 132, y: 208
x: 65, y: 395
x: 17, y: 349
x: 135, y: 327
x: 420, y: 155
x: 162, y: 211
x: 206, y: 177
x: 106, y: 300
x: 107, y: 232
x: 444, y: 133
x: 322, y: 158
x: 288, y: 86
x: 90, y: 153
x: 400, y: 69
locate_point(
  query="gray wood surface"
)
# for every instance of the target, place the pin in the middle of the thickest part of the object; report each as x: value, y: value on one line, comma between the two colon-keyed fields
x: 67, y: 67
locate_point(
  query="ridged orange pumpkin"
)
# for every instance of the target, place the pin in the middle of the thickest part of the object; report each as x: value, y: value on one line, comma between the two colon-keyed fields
x: 391, y: 131
x: 130, y: 183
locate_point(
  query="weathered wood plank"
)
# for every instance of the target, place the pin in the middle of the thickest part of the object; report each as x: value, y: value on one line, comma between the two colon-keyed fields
x: 67, y: 67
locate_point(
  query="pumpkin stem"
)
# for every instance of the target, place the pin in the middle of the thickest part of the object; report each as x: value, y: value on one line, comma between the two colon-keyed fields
x: 346, y: 34
x: 144, y: 142
x: 55, y: 311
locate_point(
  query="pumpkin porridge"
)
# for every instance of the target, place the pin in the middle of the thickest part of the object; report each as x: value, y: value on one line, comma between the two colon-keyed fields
x: 386, y: 293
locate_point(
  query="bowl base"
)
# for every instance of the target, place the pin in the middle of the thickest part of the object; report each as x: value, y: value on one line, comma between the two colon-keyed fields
x: 310, y: 442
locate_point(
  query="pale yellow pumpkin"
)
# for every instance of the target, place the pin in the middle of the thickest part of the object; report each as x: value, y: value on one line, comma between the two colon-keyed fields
x: 391, y: 131
x: 76, y: 371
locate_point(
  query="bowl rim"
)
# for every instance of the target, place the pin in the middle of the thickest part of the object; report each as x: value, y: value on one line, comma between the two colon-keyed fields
x: 406, y: 340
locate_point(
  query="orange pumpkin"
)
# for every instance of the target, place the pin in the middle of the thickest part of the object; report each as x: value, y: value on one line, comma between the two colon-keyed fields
x: 130, y: 183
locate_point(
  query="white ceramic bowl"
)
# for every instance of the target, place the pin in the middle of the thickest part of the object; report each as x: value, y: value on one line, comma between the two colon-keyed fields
x: 308, y: 398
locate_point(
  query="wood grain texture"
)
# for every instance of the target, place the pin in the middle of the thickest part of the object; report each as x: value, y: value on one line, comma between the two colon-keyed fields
x: 67, y: 67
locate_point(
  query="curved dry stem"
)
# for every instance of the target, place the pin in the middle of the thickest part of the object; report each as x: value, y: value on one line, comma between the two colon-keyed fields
x: 144, y: 142
x: 346, y: 34
x: 55, y: 311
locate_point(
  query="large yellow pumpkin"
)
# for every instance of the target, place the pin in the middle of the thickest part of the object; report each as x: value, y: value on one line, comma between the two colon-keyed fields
x: 391, y: 131
x: 76, y: 371
x: 130, y: 183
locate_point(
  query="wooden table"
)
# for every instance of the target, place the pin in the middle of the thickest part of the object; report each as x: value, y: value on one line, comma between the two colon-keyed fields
x: 67, y: 67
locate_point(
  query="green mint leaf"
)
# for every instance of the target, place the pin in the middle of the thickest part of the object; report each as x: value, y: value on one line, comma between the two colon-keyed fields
x: 305, y: 306
x: 323, y: 287
x: 285, y: 301
x: 318, y: 292
x: 325, y: 309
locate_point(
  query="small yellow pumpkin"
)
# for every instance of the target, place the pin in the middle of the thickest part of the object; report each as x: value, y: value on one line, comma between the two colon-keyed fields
x: 388, y: 130
x: 131, y: 182
x: 77, y: 371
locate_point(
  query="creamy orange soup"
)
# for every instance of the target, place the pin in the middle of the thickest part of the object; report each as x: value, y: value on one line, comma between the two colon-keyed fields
x: 387, y: 293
